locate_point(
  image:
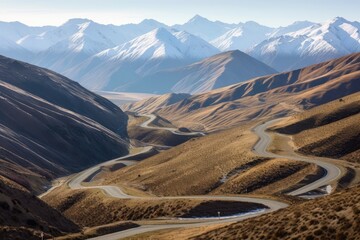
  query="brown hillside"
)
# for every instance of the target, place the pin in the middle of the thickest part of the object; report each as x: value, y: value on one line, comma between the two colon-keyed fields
x: 333, y: 217
x: 331, y: 130
x: 23, y: 215
x: 180, y: 170
x: 264, y: 97
x: 51, y: 126
x: 97, y: 209
x: 154, y: 136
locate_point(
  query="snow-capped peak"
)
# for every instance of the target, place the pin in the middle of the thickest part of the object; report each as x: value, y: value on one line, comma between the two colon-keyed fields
x: 195, y: 47
x: 76, y: 21
x: 154, y: 44
x: 150, y: 22
x: 296, y: 26
x: 242, y: 37
x: 337, y: 20
x: 198, y: 19
x: 161, y: 43
x: 316, y: 43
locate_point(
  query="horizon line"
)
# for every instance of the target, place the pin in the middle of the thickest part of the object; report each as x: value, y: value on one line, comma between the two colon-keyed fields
x: 170, y: 25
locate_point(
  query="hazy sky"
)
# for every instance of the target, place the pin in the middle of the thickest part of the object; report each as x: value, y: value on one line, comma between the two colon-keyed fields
x: 267, y: 12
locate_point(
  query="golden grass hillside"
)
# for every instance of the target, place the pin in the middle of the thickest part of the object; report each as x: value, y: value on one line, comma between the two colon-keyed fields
x: 93, y: 208
x: 154, y: 136
x: 331, y: 130
x: 199, y: 165
x: 333, y: 217
x: 267, y: 177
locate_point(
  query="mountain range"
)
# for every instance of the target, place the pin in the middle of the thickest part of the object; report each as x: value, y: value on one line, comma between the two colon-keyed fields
x: 311, y: 45
x: 98, y: 55
x: 117, y: 68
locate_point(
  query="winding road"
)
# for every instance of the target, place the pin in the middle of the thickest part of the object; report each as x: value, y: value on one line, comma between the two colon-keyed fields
x: 332, y: 171
x: 75, y: 182
x: 176, y: 131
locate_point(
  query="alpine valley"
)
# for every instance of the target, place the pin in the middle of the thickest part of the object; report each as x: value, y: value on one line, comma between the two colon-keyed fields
x: 200, y: 130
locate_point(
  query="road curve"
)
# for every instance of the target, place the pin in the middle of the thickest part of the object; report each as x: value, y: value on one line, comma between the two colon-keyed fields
x: 332, y: 171
x: 75, y: 182
x: 176, y: 131
x: 113, y: 191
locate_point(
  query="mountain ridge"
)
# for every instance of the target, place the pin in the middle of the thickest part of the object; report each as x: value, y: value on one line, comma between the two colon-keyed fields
x: 217, y: 71
x: 272, y: 95
x: 85, y: 44
x: 317, y: 43
x: 130, y: 62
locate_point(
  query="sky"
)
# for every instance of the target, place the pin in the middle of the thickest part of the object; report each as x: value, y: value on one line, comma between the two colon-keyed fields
x: 268, y: 12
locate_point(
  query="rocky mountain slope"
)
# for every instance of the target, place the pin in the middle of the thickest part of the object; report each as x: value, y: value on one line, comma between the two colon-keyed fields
x: 51, y: 126
x: 24, y: 216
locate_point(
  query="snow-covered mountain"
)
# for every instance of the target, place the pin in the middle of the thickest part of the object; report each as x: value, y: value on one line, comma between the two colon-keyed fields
x: 109, y: 35
x: 314, y: 44
x: 217, y: 71
x: 79, y: 39
x: 72, y: 43
x: 247, y: 35
x: 204, y: 28
x: 243, y: 37
x: 296, y: 26
x: 116, y: 68
x: 161, y: 43
x: 16, y: 30
x: 107, y: 56
x: 72, y: 31
x: 11, y: 49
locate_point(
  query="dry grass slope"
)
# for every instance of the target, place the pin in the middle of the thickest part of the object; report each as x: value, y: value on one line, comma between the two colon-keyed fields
x: 333, y: 217
x: 267, y: 177
x: 92, y: 208
x: 200, y: 166
x: 154, y: 136
x: 331, y: 130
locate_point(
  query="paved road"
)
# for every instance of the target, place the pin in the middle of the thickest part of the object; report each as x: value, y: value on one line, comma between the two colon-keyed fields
x: 332, y: 171
x: 114, y: 191
x: 75, y: 182
x: 176, y: 131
